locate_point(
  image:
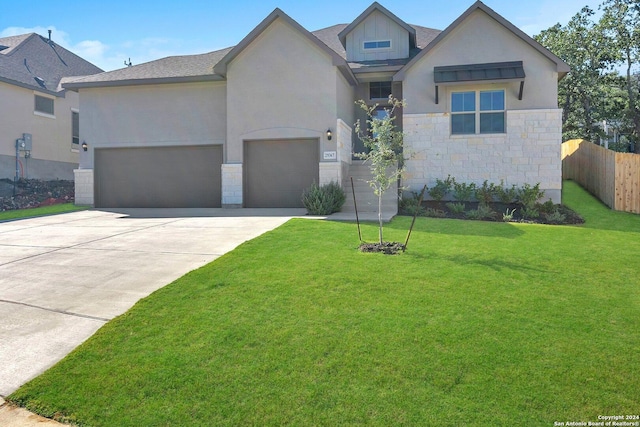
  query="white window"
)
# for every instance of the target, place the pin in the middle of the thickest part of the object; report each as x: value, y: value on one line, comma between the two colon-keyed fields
x: 477, y: 112
x: 377, y: 44
x: 44, y: 105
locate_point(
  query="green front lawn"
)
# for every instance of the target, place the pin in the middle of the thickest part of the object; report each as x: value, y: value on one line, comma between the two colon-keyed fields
x: 477, y: 324
x: 42, y: 211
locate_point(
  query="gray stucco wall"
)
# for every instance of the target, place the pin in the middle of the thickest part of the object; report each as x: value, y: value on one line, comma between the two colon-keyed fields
x: 152, y: 115
x: 53, y: 155
x: 281, y: 86
x: 480, y: 39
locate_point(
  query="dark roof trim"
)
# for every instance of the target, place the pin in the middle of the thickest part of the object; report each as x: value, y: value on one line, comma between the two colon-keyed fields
x: 561, y: 67
x: 221, y: 67
x: 475, y: 72
x: 139, y: 82
x: 377, y: 6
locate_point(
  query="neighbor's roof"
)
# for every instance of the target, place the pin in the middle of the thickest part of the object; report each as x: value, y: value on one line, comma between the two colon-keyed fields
x: 32, y: 61
x: 187, y: 68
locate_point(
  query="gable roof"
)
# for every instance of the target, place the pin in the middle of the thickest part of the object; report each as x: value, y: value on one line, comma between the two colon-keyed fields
x: 561, y: 67
x: 338, y: 60
x: 377, y: 6
x: 35, y: 62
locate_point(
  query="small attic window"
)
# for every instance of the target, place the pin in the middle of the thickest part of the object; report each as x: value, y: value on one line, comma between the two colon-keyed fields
x: 377, y: 44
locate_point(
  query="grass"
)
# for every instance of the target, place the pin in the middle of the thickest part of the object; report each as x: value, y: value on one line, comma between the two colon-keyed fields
x: 41, y: 211
x: 478, y: 323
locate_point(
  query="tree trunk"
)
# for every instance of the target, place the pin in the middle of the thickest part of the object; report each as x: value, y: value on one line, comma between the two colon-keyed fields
x: 634, y: 108
x: 380, y: 215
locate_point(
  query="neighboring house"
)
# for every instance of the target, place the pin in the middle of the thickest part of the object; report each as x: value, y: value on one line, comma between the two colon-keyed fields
x: 32, y: 102
x: 255, y: 124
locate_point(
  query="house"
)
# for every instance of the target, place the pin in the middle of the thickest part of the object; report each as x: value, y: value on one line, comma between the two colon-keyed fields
x: 36, y: 111
x: 255, y: 124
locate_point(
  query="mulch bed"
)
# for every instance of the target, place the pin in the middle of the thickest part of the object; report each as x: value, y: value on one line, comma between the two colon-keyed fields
x: 387, y: 248
x: 33, y: 193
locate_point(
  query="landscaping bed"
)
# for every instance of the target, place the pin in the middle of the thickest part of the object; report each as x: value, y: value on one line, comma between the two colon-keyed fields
x: 33, y: 193
x: 548, y: 214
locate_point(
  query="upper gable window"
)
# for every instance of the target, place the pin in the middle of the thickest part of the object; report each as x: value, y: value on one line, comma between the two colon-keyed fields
x: 44, y: 105
x: 377, y: 44
x: 379, y: 90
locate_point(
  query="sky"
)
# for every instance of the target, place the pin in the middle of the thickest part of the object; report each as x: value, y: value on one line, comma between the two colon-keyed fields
x: 110, y: 32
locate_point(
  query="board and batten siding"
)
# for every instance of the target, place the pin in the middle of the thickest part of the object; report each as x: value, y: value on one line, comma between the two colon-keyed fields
x: 377, y: 27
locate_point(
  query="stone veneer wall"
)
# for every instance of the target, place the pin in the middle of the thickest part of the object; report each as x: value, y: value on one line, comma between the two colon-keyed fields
x: 83, y: 187
x: 232, y: 185
x: 529, y: 152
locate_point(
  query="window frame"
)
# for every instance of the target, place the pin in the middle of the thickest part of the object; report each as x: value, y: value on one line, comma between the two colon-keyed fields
x: 75, y: 139
x: 478, y: 112
x: 379, y: 89
x: 36, y: 111
x: 377, y: 46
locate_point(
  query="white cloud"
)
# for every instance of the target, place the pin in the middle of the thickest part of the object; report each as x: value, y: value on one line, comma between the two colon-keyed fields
x: 58, y: 36
x: 112, y: 56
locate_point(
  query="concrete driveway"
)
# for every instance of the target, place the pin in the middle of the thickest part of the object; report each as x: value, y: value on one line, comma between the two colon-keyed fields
x: 62, y: 277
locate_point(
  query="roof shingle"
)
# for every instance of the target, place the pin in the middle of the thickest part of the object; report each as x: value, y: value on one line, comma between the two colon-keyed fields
x: 35, y: 62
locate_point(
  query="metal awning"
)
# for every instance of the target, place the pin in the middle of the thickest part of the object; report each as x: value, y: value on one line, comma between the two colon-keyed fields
x: 475, y: 72
x: 480, y: 72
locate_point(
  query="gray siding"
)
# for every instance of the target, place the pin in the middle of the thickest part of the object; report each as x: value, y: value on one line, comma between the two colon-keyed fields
x: 377, y: 26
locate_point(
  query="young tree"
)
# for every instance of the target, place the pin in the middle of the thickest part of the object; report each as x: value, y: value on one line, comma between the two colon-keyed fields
x: 383, y: 141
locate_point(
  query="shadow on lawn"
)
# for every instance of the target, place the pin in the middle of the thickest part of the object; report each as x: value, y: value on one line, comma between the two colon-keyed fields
x: 496, y: 264
x: 458, y: 227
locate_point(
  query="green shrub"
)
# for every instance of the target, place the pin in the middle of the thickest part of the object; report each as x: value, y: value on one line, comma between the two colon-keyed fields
x: 410, y: 205
x: 483, y: 212
x: 506, y: 195
x: 485, y: 193
x: 438, y: 191
x: 323, y: 200
x: 456, y: 207
x: 435, y: 213
x: 555, y: 217
x: 530, y: 212
x: 528, y: 196
x: 463, y: 192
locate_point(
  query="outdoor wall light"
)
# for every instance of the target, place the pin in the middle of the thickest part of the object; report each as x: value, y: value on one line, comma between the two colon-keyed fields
x: 329, y: 134
x: 84, y: 146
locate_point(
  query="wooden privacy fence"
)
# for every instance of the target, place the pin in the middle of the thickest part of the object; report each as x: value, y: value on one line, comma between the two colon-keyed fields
x: 612, y: 177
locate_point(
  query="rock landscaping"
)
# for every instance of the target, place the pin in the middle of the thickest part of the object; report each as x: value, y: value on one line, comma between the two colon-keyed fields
x: 33, y: 193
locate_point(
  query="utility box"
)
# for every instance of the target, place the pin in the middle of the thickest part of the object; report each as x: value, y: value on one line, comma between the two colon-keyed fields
x: 26, y: 137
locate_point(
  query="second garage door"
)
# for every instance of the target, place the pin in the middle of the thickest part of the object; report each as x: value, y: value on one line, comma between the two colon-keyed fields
x: 277, y: 171
x: 158, y: 177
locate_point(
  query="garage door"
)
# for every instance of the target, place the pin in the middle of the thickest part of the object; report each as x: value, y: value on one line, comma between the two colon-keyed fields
x: 158, y: 177
x: 277, y: 171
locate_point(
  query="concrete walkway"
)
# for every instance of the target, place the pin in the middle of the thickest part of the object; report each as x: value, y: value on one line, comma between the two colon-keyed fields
x: 62, y: 277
